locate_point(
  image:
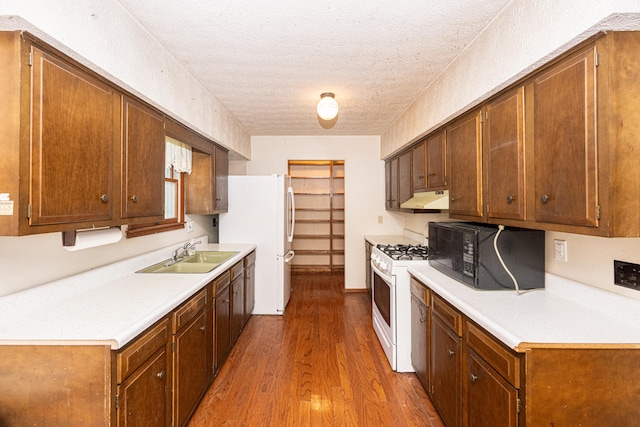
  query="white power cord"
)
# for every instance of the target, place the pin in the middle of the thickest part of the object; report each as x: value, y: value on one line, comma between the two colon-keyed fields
x: 495, y: 247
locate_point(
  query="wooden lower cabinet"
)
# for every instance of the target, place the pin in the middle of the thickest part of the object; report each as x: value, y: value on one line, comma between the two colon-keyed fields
x: 446, y: 369
x: 491, y: 400
x: 237, y: 301
x: 420, y: 332
x: 222, y: 345
x: 249, y: 285
x: 190, y: 343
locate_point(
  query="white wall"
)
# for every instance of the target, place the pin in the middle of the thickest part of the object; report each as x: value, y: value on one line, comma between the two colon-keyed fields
x: 364, y: 185
x: 104, y: 37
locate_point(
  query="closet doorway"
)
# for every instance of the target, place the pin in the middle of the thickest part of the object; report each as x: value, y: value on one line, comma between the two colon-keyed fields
x: 318, y: 240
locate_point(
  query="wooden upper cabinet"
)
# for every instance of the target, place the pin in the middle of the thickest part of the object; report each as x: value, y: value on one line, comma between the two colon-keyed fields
x: 74, y: 131
x: 436, y: 170
x: 391, y: 184
x: 405, y: 187
x: 206, y: 189
x: 221, y: 174
x: 504, y: 156
x: 465, y: 167
x: 419, y: 166
x: 566, y: 185
x: 143, y: 152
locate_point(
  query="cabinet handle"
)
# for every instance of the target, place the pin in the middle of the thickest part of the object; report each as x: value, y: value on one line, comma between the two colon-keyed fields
x: 473, y: 378
x: 544, y: 198
x: 104, y: 198
x: 160, y: 374
x: 509, y: 199
x: 420, y: 176
x: 431, y: 174
x: 450, y: 352
x: 422, y: 319
x: 134, y: 198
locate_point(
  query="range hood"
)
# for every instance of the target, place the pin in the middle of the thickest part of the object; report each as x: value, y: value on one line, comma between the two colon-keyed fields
x: 430, y: 200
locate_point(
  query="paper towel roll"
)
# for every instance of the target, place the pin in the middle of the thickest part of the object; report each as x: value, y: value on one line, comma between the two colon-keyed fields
x: 92, y: 238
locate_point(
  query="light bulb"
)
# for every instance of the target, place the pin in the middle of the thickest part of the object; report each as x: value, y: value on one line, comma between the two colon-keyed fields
x: 327, y: 106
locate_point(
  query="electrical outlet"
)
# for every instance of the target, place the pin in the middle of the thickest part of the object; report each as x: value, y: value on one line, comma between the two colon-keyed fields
x: 560, y: 250
x: 379, y: 219
x: 189, y: 226
x: 626, y: 274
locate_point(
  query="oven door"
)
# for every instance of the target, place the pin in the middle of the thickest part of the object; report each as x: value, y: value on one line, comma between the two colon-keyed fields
x: 383, y: 289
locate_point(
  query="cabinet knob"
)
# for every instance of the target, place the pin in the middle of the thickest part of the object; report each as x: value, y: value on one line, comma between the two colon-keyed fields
x: 104, y: 198
x: 202, y: 328
x: 509, y: 199
x: 134, y: 198
x: 453, y: 199
x: 160, y: 374
x: 431, y: 174
x: 544, y: 198
x: 473, y: 378
x: 450, y: 352
x: 422, y: 320
x: 420, y: 176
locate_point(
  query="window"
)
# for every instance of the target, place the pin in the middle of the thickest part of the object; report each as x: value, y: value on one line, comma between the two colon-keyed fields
x: 177, y: 164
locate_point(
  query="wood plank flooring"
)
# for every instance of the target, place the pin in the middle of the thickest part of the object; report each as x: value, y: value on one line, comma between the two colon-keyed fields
x: 318, y: 365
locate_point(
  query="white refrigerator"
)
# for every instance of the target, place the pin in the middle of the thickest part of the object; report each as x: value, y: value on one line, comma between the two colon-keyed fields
x: 262, y: 211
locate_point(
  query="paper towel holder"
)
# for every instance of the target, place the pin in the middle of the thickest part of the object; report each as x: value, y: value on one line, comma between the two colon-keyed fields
x: 69, y: 237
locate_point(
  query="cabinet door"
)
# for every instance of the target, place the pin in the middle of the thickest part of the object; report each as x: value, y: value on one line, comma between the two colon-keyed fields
x: 249, y: 289
x: 465, y: 166
x: 565, y: 143
x: 418, y: 162
x: 491, y: 400
x: 237, y: 307
x: 391, y: 184
x: 143, y: 152
x: 504, y: 156
x: 419, y: 349
x: 74, y: 131
x: 221, y: 176
x: 142, y: 397
x: 222, y: 325
x: 436, y: 161
x: 405, y: 185
x: 190, y: 371
x: 446, y: 363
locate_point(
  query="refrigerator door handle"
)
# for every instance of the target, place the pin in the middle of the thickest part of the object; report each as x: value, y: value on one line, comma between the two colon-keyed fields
x: 292, y: 213
x: 289, y: 256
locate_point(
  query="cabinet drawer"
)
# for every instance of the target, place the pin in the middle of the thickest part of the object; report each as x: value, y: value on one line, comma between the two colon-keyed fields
x: 420, y: 291
x: 250, y: 259
x: 137, y: 352
x: 504, y: 361
x: 447, y: 313
x: 189, y: 310
x: 237, y: 270
x: 221, y: 282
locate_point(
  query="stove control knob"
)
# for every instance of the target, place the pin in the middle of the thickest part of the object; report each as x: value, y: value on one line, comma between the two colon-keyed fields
x: 383, y: 265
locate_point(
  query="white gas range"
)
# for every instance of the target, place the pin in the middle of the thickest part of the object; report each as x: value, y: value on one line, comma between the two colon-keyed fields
x: 391, y: 299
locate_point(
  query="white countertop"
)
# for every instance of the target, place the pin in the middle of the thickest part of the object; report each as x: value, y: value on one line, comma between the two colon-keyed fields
x: 565, y: 312
x: 110, y: 304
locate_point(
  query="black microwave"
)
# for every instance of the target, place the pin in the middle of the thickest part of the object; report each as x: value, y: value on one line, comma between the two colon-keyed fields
x: 467, y: 252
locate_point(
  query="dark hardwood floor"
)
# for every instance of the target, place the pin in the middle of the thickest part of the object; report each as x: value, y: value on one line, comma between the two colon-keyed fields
x: 319, y: 364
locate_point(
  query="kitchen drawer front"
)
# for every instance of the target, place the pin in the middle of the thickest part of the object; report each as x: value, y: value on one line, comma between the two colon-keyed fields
x: 137, y: 352
x: 189, y: 310
x: 504, y: 361
x: 237, y: 270
x: 221, y: 282
x: 420, y: 291
x: 250, y: 259
x: 447, y: 313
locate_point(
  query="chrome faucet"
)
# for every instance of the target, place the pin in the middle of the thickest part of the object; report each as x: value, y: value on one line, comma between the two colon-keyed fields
x: 186, y: 249
x: 177, y: 256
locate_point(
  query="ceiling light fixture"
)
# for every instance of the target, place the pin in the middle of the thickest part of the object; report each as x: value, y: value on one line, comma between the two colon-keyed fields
x: 327, y: 106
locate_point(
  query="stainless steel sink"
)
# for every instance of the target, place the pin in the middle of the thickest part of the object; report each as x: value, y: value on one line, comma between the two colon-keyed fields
x: 199, y: 263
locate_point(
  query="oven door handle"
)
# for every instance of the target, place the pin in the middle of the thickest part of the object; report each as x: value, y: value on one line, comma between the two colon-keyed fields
x: 386, y: 277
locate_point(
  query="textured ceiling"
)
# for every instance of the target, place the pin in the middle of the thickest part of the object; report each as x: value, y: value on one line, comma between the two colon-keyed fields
x: 268, y: 61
